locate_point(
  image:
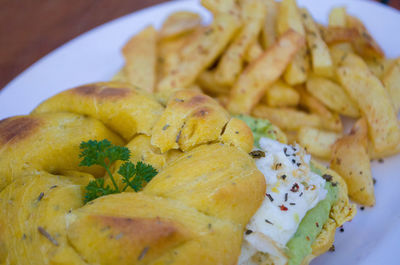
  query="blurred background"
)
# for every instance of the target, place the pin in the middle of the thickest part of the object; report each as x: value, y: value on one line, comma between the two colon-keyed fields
x: 29, y: 29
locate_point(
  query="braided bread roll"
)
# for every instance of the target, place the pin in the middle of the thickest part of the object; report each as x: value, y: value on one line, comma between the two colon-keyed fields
x: 193, y: 212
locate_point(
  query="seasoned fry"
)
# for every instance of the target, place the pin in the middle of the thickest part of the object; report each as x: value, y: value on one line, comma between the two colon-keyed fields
x: 391, y: 80
x: 332, y: 35
x: 221, y: 6
x: 286, y: 118
x: 365, y: 44
x: 329, y: 121
x: 350, y: 159
x: 337, y: 17
x: 332, y: 95
x: 281, y: 95
x: 378, y: 66
x: 268, y: 33
x: 260, y: 74
x: 200, y: 51
x: 373, y: 101
x: 321, y: 58
x: 179, y: 23
x: 231, y: 63
x: 253, y: 52
x: 140, y: 56
x: 317, y: 142
x: 206, y: 81
x: 289, y: 18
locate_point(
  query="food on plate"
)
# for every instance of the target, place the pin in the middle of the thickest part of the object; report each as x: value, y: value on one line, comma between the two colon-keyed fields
x: 350, y: 159
x: 180, y: 188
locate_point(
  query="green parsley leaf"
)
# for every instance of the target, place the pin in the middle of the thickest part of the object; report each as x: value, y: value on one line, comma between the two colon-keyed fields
x: 104, y: 153
x: 136, y: 176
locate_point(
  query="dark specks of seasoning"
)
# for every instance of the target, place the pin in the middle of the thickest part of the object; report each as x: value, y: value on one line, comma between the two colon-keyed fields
x: 332, y: 248
x: 143, y: 253
x: 327, y: 177
x: 236, y: 132
x: 166, y: 126
x: 341, y: 229
x: 334, y: 184
x: 283, y: 176
x: 179, y: 100
x: 46, y: 234
x: 257, y: 154
x: 301, y: 194
x: 316, y: 224
x: 298, y: 164
x: 268, y: 222
x: 362, y: 208
x: 308, y: 238
x: 54, y: 186
x: 119, y: 236
x: 292, y: 203
x: 189, y: 156
x: 24, y: 236
x: 208, y: 31
x: 295, y: 188
x: 209, y: 226
x: 286, y: 197
x: 248, y: 232
x: 293, y: 161
x: 278, y: 166
x: 178, y: 136
x: 269, y: 197
x: 40, y: 196
x: 374, y: 180
x: 380, y: 160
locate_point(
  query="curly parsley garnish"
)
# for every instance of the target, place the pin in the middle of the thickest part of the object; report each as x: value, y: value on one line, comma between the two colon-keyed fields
x: 104, y: 153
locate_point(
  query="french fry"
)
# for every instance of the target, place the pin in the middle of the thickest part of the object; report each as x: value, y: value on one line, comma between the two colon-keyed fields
x: 231, y: 63
x: 206, y: 81
x: 337, y: 17
x: 268, y: 33
x: 289, y: 18
x: 339, y: 52
x: 317, y: 142
x: 333, y: 35
x: 253, y: 52
x: 140, y: 59
x: 263, y: 72
x: 365, y: 45
x: 332, y: 95
x: 391, y: 80
x: 222, y: 6
x: 350, y: 159
x: 281, y: 95
x: 179, y: 23
x: 329, y: 121
x: 320, y: 56
x: 287, y: 119
x: 378, y: 66
x: 201, y: 51
x: 373, y: 100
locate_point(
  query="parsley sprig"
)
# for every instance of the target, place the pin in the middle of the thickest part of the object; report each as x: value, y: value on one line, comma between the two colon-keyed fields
x: 104, y: 153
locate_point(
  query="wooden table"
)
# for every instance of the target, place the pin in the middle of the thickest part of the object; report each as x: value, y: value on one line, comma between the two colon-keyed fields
x: 29, y: 29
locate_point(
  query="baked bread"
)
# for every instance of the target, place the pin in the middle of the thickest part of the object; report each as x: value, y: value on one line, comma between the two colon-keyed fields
x: 193, y: 212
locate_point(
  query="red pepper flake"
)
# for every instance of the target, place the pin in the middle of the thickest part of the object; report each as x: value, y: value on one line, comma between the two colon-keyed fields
x: 308, y: 238
x: 283, y: 207
x: 317, y: 224
x: 295, y: 188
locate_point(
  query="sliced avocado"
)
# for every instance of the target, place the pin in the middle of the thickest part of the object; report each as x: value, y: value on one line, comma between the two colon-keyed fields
x: 310, y: 226
x: 259, y: 127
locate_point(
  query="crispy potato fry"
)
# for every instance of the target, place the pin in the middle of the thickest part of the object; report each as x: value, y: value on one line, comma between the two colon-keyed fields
x: 317, y: 142
x: 140, y: 59
x: 378, y: 66
x: 350, y: 159
x: 329, y: 121
x: 320, y: 56
x: 373, y: 100
x: 221, y: 6
x: 391, y: 80
x: 281, y: 95
x: 179, y: 23
x: 337, y: 17
x: 201, y: 51
x: 231, y: 63
x: 333, y: 35
x: 338, y: 52
x: 332, y: 95
x: 253, y: 52
x: 297, y: 71
x: 268, y: 33
x: 289, y: 18
x: 287, y: 119
x: 365, y: 44
x: 263, y: 72
x: 206, y: 81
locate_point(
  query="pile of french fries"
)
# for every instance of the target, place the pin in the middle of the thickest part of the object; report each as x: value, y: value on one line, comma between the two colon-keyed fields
x: 272, y: 60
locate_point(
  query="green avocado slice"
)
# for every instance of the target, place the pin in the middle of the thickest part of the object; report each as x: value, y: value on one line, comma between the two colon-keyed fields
x: 259, y: 127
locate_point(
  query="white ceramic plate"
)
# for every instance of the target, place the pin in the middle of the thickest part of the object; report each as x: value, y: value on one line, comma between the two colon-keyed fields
x: 373, y: 237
